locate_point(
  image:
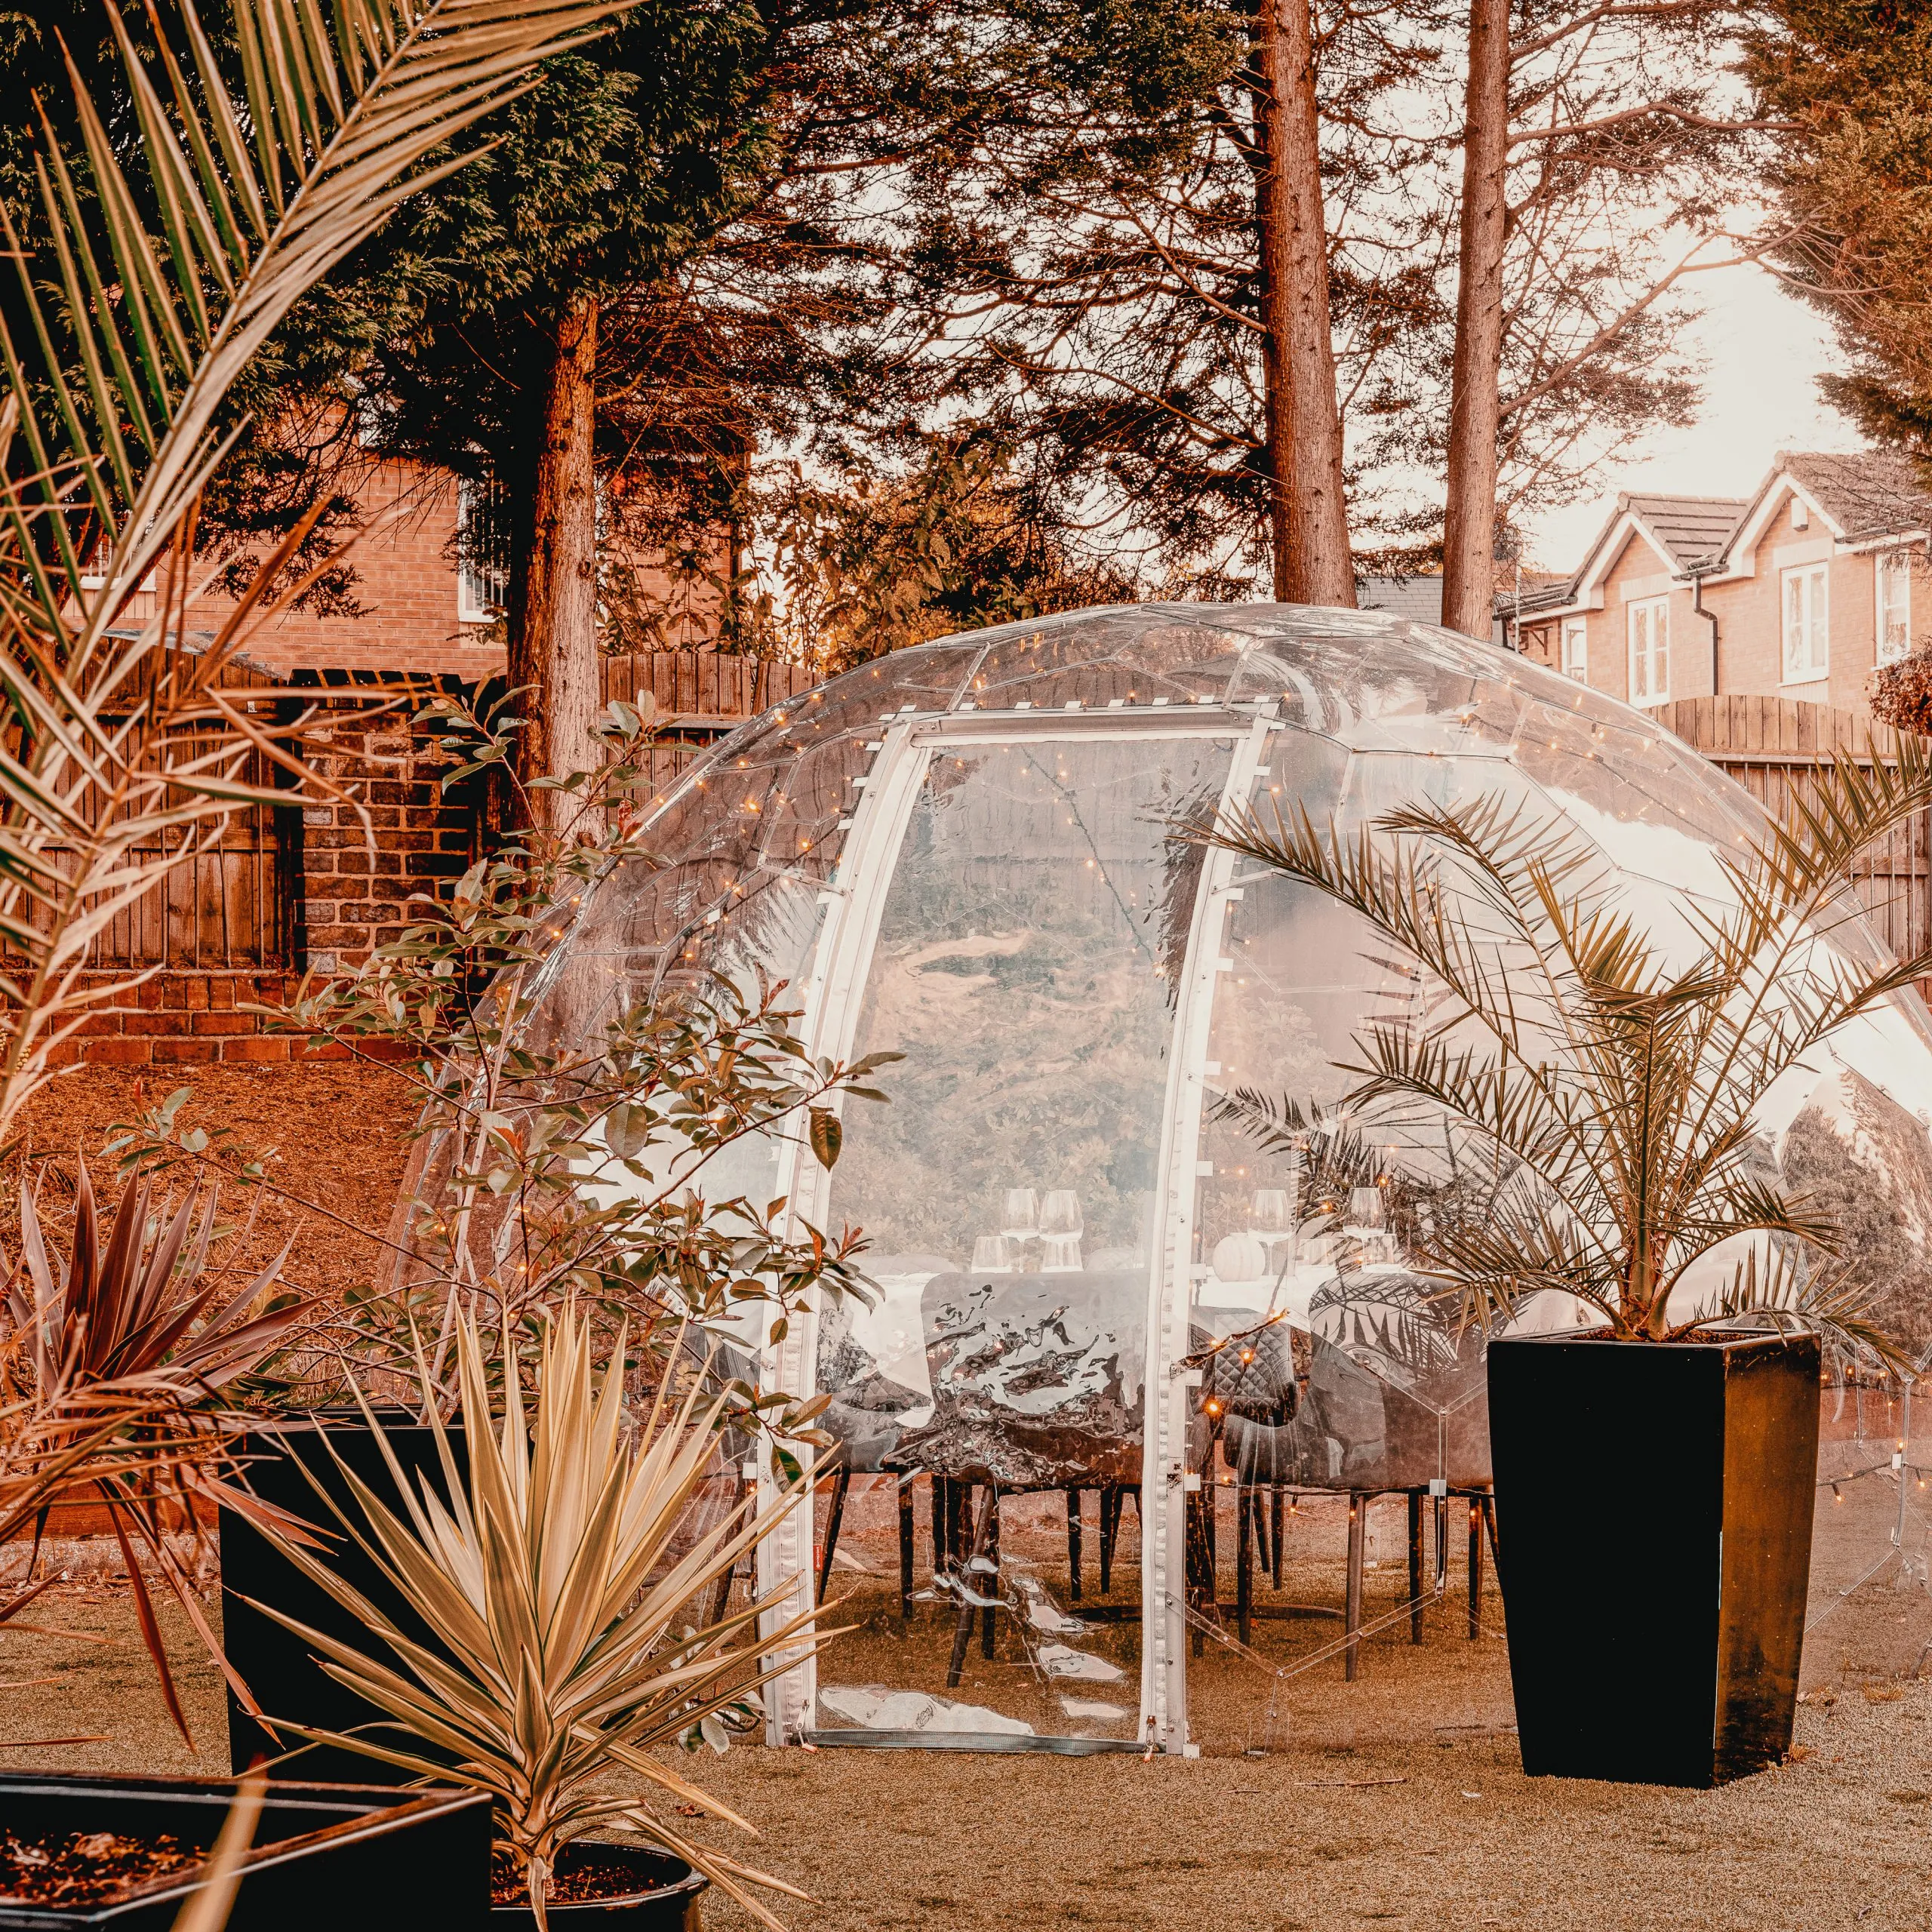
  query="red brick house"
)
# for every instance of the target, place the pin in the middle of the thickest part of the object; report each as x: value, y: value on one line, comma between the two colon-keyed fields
x: 1798, y: 591
x: 318, y: 887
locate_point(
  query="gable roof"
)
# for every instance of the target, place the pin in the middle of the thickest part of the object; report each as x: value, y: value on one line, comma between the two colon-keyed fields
x: 1688, y: 529
x: 1686, y: 533
x: 1865, y: 497
x: 1875, y: 493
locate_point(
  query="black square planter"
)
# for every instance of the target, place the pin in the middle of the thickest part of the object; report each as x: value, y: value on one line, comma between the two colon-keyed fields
x: 276, y: 1665
x: 1653, y: 1507
x: 324, y: 1856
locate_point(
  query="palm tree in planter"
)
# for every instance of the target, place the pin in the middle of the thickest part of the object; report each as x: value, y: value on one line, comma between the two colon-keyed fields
x: 563, y: 1579
x: 1654, y: 1472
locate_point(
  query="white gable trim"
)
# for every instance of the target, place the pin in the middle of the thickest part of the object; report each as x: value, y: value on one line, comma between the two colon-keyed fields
x: 1739, y: 557
x: 1609, y: 549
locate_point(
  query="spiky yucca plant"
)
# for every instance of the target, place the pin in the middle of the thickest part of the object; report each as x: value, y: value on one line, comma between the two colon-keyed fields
x: 554, y: 1578
x: 1619, y: 1085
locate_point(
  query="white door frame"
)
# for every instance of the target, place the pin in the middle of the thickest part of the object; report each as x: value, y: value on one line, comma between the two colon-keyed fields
x: 854, y: 902
x: 832, y: 1000
x: 1171, y: 1290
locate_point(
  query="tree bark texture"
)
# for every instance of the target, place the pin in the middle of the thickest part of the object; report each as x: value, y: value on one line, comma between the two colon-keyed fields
x: 1308, y: 513
x: 1468, y: 530
x: 552, y: 626
x: 1271, y: 223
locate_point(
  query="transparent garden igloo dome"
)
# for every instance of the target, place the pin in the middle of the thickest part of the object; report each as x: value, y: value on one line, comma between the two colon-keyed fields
x: 1063, y: 1517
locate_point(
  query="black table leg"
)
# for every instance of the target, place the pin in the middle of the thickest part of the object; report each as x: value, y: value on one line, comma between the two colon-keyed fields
x: 1194, y: 1517
x: 1247, y: 1516
x: 905, y: 1547
x: 962, y: 1627
x: 989, y: 1586
x: 1109, y: 1519
x: 1073, y: 1545
x: 1352, y: 1612
x: 841, y: 1483
x: 1275, y: 1519
x: 1475, y: 1568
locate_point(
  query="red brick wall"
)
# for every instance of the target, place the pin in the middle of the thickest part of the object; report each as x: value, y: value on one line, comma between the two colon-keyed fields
x: 395, y: 836
x: 407, y: 584
x: 184, y: 1019
x: 355, y: 882
x: 406, y: 570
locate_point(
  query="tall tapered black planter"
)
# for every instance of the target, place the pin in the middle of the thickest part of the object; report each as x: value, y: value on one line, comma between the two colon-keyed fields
x: 1653, y: 1513
x: 275, y: 1664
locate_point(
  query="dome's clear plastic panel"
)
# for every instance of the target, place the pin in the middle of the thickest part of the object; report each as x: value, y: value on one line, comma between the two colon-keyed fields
x: 1139, y: 1437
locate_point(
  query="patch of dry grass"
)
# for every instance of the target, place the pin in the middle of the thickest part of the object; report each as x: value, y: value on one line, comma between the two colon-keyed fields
x: 331, y: 1135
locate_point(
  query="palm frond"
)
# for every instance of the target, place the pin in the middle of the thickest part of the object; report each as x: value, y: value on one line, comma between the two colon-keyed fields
x: 149, y: 274
x: 1618, y: 1082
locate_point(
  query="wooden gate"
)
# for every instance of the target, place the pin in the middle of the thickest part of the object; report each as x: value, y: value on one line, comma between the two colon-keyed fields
x: 1768, y: 744
x: 227, y: 905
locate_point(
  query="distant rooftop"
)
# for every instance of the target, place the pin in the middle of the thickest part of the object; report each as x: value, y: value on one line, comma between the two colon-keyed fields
x: 1874, y: 493
x: 1692, y: 530
x: 1419, y: 598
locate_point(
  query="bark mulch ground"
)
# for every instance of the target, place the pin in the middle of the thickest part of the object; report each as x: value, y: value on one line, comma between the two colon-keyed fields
x: 331, y: 1139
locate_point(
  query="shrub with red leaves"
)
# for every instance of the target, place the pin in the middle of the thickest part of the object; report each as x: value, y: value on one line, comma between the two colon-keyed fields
x: 1902, y: 692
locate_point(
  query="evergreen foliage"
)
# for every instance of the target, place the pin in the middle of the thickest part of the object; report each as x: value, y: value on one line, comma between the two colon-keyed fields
x: 1851, y: 82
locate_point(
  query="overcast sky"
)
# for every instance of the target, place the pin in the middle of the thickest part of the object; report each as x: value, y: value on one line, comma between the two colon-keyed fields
x: 1764, y: 351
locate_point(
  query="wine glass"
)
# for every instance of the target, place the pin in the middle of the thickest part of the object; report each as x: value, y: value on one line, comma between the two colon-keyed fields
x: 992, y: 1254
x: 1060, y: 1214
x: 1062, y: 1253
x: 1273, y: 1214
x: 1022, y: 1213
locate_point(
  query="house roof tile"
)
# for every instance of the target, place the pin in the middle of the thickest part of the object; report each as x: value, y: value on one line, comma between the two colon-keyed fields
x: 1691, y: 529
x: 1872, y: 492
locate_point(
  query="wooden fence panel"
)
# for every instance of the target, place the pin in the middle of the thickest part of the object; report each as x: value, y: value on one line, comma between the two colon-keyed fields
x: 228, y: 904
x: 232, y: 906
x: 1768, y: 744
x: 703, y: 687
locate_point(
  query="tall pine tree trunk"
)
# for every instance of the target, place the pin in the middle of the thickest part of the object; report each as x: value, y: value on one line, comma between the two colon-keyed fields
x: 1468, y: 530
x: 1308, y: 514
x: 1271, y: 223
x: 552, y: 621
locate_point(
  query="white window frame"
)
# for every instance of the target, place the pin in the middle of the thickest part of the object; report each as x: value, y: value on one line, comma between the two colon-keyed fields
x: 1649, y: 616
x: 1804, y: 646
x: 1891, y: 596
x: 481, y: 589
x: 96, y: 572
x: 1574, y: 649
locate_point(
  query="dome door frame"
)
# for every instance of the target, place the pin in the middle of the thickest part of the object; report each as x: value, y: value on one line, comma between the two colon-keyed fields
x: 1171, y: 1287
